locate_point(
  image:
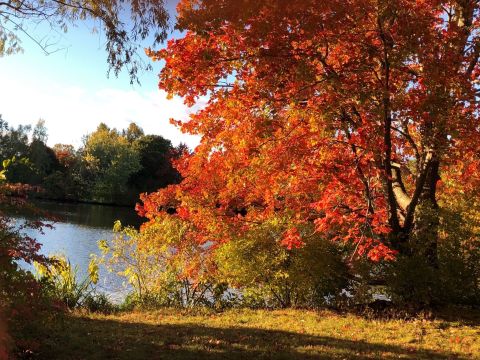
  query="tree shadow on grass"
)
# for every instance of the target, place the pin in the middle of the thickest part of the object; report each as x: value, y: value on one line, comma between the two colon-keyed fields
x: 463, y: 316
x: 80, y: 338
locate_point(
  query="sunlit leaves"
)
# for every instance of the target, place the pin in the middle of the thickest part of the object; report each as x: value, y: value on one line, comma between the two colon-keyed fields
x: 340, y: 114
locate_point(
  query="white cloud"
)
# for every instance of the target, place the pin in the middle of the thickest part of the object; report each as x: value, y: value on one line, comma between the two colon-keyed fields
x: 71, y: 112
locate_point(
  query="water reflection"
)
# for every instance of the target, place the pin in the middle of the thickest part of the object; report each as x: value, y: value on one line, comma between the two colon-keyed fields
x: 88, y: 215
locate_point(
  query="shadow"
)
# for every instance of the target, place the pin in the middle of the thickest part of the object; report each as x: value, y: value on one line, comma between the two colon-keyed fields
x: 81, y: 338
x: 384, y: 311
x: 461, y: 315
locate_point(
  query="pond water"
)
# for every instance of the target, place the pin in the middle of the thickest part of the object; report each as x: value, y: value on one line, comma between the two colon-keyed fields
x: 77, y: 230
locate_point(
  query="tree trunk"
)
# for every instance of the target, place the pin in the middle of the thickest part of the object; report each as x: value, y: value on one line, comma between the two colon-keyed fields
x: 424, y: 235
x: 418, y: 233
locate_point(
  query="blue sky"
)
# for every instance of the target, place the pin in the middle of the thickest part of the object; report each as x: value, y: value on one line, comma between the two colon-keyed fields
x: 70, y: 90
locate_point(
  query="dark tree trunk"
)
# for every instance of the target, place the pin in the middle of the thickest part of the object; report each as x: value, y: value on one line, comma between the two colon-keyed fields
x: 424, y: 235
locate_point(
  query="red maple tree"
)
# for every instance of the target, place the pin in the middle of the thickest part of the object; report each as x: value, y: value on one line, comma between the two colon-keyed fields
x: 345, y: 114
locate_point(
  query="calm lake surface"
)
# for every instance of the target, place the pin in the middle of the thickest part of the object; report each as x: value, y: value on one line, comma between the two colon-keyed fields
x: 77, y: 229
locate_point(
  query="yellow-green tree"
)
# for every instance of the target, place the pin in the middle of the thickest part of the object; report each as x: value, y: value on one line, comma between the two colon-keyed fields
x: 111, y: 160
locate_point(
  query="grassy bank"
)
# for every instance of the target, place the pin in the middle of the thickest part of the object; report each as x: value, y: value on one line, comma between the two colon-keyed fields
x: 249, y: 334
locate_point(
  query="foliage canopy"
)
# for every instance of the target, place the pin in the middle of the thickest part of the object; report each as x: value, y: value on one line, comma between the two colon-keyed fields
x: 356, y: 116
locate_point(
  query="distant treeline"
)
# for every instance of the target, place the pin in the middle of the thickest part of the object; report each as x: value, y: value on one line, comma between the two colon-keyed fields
x: 111, y: 166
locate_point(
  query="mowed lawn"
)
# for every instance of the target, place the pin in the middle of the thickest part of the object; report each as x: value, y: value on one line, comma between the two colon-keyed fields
x: 255, y: 334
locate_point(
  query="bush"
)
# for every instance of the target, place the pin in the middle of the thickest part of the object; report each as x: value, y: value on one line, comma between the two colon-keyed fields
x: 98, y: 303
x: 253, y: 270
x: 60, y: 281
x: 269, y: 275
x: 156, y: 271
x: 411, y: 280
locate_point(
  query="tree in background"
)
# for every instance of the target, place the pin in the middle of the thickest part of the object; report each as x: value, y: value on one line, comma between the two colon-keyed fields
x: 133, y: 132
x: 65, y: 154
x: 113, y: 166
x: 44, y: 160
x: 13, y: 142
x: 40, y: 132
x: 26, y: 162
x: 156, y: 155
x: 14, y: 147
x: 67, y: 182
x: 110, y: 158
x: 42, y: 157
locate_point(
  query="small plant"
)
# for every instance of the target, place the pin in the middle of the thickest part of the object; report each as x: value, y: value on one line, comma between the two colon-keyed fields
x: 61, y: 281
x: 98, y: 303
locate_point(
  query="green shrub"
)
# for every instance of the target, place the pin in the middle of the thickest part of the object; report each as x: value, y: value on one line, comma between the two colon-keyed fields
x: 269, y: 275
x: 98, y: 303
x: 455, y: 279
x: 60, y: 281
x: 155, y: 272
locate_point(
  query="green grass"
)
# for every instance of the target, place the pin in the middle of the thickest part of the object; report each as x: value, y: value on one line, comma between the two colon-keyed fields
x: 253, y: 334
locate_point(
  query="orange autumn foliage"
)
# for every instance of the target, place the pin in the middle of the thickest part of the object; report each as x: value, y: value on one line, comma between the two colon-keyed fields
x: 345, y: 114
